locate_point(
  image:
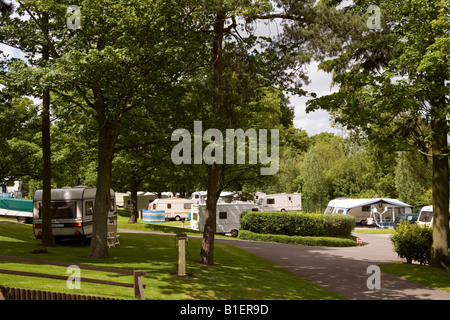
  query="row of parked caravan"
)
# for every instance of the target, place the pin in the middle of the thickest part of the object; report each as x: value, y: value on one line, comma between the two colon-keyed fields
x: 72, y: 210
x: 228, y: 210
x: 179, y: 208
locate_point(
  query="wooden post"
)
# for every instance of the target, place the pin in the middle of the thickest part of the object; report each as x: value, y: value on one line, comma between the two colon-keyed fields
x: 138, y: 286
x: 182, y: 238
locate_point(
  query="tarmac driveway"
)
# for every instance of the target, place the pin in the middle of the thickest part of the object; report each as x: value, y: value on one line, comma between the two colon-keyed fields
x: 344, y: 270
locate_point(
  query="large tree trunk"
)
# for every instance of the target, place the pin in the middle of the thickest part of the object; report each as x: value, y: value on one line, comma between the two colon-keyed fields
x: 134, y: 185
x: 207, y: 250
x: 47, y: 233
x: 440, y: 187
x: 108, y: 134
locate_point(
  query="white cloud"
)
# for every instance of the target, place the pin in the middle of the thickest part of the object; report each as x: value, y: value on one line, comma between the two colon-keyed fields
x: 317, y: 121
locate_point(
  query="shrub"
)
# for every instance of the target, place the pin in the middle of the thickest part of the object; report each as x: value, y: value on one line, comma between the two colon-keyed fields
x: 298, y: 224
x: 413, y: 242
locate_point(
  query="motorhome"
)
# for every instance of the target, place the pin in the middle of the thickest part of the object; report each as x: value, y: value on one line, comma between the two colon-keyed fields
x: 121, y: 199
x: 143, y: 200
x: 281, y: 202
x: 426, y: 216
x: 174, y: 208
x: 199, y: 197
x: 258, y: 195
x: 379, y: 212
x: 227, y: 216
x: 71, y: 210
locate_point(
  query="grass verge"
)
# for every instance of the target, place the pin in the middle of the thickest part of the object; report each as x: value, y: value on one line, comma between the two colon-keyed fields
x: 375, y: 231
x: 237, y: 275
x: 436, y: 278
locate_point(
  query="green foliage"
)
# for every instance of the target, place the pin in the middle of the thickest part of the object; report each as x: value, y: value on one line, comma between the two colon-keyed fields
x: 413, y: 242
x: 298, y: 224
x: 300, y: 240
x: 413, y: 179
x: 344, y: 167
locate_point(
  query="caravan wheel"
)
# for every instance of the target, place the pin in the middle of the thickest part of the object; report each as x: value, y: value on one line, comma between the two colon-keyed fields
x: 177, y: 218
x: 234, y: 233
x: 21, y: 219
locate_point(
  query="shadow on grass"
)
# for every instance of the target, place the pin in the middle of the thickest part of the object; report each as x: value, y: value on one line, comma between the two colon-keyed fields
x: 428, y: 276
x: 237, y: 274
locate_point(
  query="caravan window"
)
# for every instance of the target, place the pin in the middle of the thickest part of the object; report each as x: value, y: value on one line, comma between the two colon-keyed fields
x: 187, y: 205
x: 223, y: 215
x: 169, y: 206
x: 89, y: 208
x: 426, y: 216
x: 61, y: 209
x: 271, y: 201
x: 329, y: 210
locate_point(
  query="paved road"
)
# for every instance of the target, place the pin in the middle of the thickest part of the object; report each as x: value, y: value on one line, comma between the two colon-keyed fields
x: 343, y: 270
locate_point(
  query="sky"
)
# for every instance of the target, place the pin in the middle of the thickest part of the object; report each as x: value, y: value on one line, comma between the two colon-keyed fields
x: 317, y: 121
x: 320, y: 83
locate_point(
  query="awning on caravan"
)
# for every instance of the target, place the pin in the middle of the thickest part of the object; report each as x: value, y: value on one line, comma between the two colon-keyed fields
x: 16, y: 207
x: 354, y: 203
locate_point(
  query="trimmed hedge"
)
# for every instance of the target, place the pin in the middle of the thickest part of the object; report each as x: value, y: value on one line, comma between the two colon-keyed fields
x: 306, y: 241
x: 298, y: 224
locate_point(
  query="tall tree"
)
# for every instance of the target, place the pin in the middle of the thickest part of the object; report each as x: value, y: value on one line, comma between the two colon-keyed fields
x: 281, y: 64
x: 47, y: 231
x: 39, y: 56
x: 393, y: 76
x: 121, y: 56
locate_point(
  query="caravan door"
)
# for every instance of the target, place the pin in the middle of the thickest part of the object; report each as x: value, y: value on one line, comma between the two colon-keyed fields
x: 88, y: 211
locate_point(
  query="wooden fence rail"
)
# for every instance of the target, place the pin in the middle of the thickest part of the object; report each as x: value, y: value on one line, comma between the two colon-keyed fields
x: 137, y: 275
x: 8, y: 293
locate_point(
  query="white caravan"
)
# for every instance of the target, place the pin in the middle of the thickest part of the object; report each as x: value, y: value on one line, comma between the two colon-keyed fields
x: 174, y: 208
x: 199, y: 197
x: 227, y: 216
x: 426, y: 216
x: 281, y: 202
x: 380, y: 212
x: 72, y: 210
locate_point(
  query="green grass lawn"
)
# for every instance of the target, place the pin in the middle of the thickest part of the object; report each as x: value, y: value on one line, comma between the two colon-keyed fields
x: 375, y: 231
x: 436, y: 278
x: 237, y: 275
